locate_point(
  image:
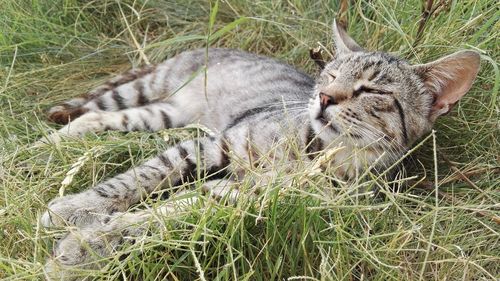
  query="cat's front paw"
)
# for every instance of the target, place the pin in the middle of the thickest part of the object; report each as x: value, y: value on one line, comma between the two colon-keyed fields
x: 78, y: 252
x: 88, y: 248
x: 82, y: 209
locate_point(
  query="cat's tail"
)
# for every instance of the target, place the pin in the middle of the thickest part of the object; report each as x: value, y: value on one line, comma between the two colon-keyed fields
x: 95, y: 99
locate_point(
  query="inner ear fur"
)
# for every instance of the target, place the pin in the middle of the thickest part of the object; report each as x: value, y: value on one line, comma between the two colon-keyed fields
x: 449, y: 79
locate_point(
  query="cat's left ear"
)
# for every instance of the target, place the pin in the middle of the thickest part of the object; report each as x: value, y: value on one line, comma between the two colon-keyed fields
x: 343, y: 42
x: 449, y: 79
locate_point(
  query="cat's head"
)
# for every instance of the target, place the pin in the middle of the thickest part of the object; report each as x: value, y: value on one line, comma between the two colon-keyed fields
x: 374, y: 98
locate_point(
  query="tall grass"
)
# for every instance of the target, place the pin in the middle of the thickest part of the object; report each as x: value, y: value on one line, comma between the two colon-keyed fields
x: 444, y: 226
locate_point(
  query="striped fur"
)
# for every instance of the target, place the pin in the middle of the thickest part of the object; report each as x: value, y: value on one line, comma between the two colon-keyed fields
x: 373, y: 103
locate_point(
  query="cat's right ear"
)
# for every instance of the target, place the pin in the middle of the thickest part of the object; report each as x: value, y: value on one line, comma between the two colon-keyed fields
x: 448, y: 79
x: 343, y: 42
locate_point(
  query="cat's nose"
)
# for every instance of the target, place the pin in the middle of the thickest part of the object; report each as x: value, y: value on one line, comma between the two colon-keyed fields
x: 333, y: 94
x: 325, y: 101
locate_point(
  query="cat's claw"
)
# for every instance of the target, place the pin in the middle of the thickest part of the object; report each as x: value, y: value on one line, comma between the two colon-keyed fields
x: 83, y: 209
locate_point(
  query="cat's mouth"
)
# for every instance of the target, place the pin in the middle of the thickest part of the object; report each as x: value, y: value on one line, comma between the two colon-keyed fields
x: 327, y: 123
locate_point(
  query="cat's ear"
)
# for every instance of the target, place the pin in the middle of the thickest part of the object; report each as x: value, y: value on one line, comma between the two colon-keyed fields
x: 449, y: 79
x: 343, y: 42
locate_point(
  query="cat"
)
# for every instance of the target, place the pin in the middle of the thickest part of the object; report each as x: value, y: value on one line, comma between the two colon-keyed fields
x: 361, y: 99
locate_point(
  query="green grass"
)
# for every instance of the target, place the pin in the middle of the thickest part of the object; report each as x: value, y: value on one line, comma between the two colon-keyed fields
x: 53, y: 50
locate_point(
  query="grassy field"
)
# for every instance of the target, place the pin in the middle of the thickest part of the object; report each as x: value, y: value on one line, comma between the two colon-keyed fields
x: 444, y: 226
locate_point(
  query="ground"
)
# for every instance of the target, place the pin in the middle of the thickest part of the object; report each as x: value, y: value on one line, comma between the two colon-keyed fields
x: 443, y: 226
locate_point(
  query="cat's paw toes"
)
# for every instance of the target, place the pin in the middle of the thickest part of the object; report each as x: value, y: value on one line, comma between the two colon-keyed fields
x: 88, y: 249
x: 53, y: 137
x: 82, y: 209
x: 80, y: 251
x: 55, y: 271
x: 65, y: 216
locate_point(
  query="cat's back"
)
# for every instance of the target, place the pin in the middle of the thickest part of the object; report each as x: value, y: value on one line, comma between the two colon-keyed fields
x: 238, y: 71
x: 216, y: 86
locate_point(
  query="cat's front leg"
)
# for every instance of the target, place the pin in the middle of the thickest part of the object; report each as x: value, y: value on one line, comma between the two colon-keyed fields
x: 82, y: 209
x: 87, y: 248
x: 117, y: 194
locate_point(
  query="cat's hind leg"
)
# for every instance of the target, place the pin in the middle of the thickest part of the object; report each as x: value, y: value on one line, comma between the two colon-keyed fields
x: 132, y: 88
x: 151, y: 117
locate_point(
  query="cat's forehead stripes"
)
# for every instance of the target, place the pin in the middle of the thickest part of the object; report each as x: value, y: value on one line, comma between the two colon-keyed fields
x: 376, y: 67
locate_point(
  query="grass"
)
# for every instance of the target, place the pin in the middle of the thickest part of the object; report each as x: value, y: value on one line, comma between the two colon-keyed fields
x: 442, y: 228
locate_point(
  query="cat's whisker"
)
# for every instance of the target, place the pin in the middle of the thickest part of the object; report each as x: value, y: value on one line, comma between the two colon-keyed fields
x: 378, y: 137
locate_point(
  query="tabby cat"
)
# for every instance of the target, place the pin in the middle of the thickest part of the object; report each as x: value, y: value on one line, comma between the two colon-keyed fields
x: 361, y: 99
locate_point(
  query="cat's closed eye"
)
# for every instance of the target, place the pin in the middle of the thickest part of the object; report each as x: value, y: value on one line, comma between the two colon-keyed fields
x: 331, y: 76
x: 364, y: 89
